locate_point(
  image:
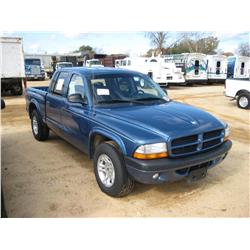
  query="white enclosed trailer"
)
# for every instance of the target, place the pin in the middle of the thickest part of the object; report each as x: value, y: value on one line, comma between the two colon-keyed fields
x: 12, y: 68
x: 216, y: 68
x: 238, y: 67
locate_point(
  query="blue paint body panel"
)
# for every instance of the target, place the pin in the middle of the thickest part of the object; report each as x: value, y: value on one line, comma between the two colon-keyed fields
x: 128, y: 124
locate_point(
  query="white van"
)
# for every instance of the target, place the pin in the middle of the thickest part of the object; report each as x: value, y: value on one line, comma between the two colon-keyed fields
x: 238, y: 67
x: 216, y: 68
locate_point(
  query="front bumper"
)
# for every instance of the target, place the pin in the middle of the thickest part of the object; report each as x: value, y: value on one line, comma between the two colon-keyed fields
x: 169, y: 169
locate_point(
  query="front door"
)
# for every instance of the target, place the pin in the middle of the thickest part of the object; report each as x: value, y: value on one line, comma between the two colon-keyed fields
x: 75, y: 115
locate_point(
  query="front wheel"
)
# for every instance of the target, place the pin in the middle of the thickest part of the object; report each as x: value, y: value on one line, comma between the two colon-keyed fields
x: 110, y: 171
x: 39, y: 129
x: 243, y: 101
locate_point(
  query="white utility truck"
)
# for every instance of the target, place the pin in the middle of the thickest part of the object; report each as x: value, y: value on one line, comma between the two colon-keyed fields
x: 239, y: 90
x: 238, y: 67
x: 12, y: 68
x: 93, y: 63
x: 161, y: 72
x: 192, y: 65
x: 216, y: 68
x: 60, y: 65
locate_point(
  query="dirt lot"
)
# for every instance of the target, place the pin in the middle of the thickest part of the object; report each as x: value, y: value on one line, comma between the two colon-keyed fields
x: 53, y: 179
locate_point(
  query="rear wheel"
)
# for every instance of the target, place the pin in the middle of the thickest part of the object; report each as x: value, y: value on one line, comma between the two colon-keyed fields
x: 243, y: 101
x: 17, y: 89
x: 110, y: 171
x: 39, y: 129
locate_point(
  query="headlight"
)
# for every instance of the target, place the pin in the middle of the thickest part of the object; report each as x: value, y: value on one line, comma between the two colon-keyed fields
x: 151, y: 151
x: 227, y: 133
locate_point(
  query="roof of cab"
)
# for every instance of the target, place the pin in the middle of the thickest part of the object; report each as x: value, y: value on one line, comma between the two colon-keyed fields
x: 89, y: 71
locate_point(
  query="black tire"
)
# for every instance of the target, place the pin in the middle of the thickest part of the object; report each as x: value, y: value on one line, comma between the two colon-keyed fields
x: 17, y: 89
x: 123, y: 184
x: 2, y: 103
x: 42, y: 132
x: 246, y: 96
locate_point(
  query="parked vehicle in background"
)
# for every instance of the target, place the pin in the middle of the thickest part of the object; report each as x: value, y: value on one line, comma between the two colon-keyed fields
x: 34, y: 69
x: 46, y: 61
x: 2, y: 103
x: 216, y: 68
x: 93, y: 63
x: 118, y: 63
x: 128, y: 125
x: 139, y: 64
x: 12, y: 65
x: 193, y: 66
x: 161, y: 72
x: 238, y: 67
x: 239, y: 90
x: 61, y: 65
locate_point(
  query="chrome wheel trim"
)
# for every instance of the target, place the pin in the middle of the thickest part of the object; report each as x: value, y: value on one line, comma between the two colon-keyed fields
x: 106, y: 170
x: 243, y: 101
x: 35, y: 125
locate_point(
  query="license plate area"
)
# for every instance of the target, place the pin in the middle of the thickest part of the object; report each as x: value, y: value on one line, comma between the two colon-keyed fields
x: 197, y: 173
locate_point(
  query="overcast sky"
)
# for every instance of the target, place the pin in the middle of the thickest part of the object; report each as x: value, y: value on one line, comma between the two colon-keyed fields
x: 133, y: 43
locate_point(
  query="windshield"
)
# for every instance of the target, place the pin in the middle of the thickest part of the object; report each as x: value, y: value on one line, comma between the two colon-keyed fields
x: 95, y: 63
x: 114, y: 88
x: 33, y: 62
x: 65, y: 65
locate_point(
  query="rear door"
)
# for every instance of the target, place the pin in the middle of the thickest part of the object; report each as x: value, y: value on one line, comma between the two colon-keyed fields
x: 55, y: 101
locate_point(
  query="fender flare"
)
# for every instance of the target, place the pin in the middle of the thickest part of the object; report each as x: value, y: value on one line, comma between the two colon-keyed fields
x: 109, y: 134
x: 35, y: 102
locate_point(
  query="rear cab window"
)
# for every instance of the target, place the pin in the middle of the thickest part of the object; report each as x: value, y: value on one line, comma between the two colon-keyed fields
x: 59, y: 83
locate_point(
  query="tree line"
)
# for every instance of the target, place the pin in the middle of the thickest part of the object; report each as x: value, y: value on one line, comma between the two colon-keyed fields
x: 184, y: 42
x: 189, y: 42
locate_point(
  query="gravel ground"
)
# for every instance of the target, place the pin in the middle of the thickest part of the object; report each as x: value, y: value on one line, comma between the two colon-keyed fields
x: 53, y: 179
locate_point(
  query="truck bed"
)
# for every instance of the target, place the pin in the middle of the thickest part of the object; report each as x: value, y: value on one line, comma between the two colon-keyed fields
x: 233, y: 86
x: 39, y: 95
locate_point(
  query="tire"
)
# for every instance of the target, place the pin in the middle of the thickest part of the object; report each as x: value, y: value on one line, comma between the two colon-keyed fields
x: 2, y: 103
x: 17, y: 89
x: 122, y: 183
x: 40, y: 130
x: 243, y: 101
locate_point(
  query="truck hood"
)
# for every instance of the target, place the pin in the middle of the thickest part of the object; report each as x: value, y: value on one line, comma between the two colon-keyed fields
x: 170, y: 119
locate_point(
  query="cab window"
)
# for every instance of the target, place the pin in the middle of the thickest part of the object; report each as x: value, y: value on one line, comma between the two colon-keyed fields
x: 59, y: 84
x: 76, y: 86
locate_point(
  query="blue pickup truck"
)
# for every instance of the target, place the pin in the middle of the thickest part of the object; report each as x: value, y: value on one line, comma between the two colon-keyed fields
x: 128, y: 125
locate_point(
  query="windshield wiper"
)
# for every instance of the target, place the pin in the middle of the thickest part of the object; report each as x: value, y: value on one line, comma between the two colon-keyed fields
x: 119, y: 101
x: 151, y: 99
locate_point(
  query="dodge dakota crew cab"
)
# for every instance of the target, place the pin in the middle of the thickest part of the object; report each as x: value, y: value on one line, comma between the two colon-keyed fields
x: 128, y: 125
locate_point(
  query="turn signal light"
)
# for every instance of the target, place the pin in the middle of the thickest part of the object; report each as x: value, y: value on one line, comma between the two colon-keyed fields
x: 150, y: 156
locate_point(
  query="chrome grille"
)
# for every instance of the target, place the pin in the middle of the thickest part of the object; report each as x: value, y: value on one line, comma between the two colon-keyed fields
x: 192, y: 144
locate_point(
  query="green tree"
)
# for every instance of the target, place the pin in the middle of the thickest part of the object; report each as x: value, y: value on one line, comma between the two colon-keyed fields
x: 206, y: 45
x: 86, y: 49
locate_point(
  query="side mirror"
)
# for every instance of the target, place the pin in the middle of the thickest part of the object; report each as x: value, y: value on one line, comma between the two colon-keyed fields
x: 76, y: 98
